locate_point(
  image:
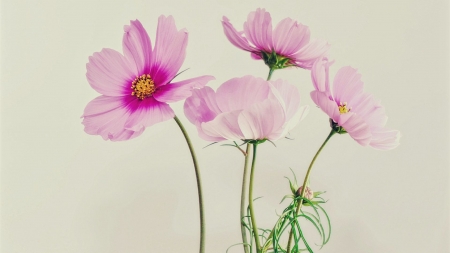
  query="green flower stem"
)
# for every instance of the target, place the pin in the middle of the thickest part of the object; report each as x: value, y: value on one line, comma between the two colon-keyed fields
x: 250, y: 202
x: 302, y: 194
x: 243, y: 195
x: 199, y: 185
x: 270, y: 73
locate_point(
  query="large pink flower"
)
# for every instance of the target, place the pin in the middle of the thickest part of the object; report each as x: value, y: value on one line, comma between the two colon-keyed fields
x: 136, y: 86
x: 287, y: 45
x: 351, y: 109
x: 246, y: 108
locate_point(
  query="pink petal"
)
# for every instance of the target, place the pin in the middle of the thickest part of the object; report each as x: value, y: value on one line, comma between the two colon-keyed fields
x: 369, y: 109
x: 109, y: 73
x: 328, y: 106
x: 106, y: 116
x: 306, y: 57
x: 287, y: 94
x: 347, y: 85
x: 385, y: 139
x: 169, y: 52
x: 137, y: 46
x: 293, y: 122
x: 320, y: 75
x: 263, y: 120
x: 201, y: 106
x: 174, y: 92
x: 234, y: 36
x: 258, y: 29
x: 289, y: 36
x: 241, y: 93
x: 225, y: 126
x: 146, y: 113
x: 355, y: 127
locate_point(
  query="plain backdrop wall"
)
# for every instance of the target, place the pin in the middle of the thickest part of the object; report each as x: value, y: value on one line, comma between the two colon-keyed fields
x: 65, y: 191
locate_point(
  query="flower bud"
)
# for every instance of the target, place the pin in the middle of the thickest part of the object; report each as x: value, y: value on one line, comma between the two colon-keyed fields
x: 309, y: 194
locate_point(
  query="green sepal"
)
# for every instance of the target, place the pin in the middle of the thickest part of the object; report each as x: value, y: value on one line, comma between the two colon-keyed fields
x: 336, y: 128
x: 275, y: 61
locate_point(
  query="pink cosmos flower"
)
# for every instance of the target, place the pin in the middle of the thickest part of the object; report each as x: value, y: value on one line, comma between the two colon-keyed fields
x: 246, y: 108
x: 137, y: 85
x: 351, y: 109
x: 287, y: 45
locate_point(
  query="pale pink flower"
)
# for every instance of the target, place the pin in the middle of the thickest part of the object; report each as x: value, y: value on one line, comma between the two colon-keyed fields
x: 137, y: 85
x: 246, y: 108
x: 287, y: 45
x: 351, y: 109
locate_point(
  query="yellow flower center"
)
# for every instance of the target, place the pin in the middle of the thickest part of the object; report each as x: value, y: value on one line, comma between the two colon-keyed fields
x: 143, y: 87
x: 343, y: 108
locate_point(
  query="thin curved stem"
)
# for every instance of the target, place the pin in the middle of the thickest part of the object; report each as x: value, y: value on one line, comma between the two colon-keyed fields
x: 243, y: 195
x: 302, y: 194
x: 199, y: 185
x: 270, y: 73
x: 250, y: 202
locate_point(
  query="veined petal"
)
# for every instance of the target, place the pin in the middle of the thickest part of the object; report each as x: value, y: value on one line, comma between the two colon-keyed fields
x: 106, y: 116
x: 289, y: 36
x: 225, y: 125
x: 288, y: 94
x: 369, y: 109
x: 146, y: 113
x: 328, y: 106
x: 320, y: 75
x: 347, y: 85
x: 174, y: 92
x: 201, y: 106
x: 234, y: 93
x: 263, y: 120
x: 258, y: 29
x: 385, y: 139
x: 355, y: 127
x: 234, y: 36
x: 137, y: 46
x: 307, y: 55
x: 169, y: 52
x: 109, y: 73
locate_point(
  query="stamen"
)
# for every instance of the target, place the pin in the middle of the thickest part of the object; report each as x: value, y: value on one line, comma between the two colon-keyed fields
x: 143, y: 87
x: 343, y: 108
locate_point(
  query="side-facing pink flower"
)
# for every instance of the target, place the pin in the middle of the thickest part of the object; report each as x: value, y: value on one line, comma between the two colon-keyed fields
x: 136, y: 86
x: 287, y: 45
x: 246, y: 108
x: 351, y: 109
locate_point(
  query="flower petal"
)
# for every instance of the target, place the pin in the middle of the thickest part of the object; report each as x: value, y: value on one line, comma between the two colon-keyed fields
x: 328, y: 106
x: 289, y: 36
x: 263, y: 120
x: 146, y: 113
x: 241, y: 93
x: 169, y: 52
x: 106, y: 116
x: 174, y: 92
x: 355, y: 127
x: 347, y: 85
x: 235, y: 37
x: 307, y: 55
x: 201, y: 106
x: 137, y: 46
x: 258, y: 29
x: 385, y: 139
x: 292, y: 122
x: 287, y: 94
x: 225, y: 126
x: 369, y: 109
x: 320, y: 75
x: 109, y: 73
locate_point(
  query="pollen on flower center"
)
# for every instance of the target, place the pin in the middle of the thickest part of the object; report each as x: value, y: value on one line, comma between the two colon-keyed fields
x: 143, y: 87
x: 343, y: 108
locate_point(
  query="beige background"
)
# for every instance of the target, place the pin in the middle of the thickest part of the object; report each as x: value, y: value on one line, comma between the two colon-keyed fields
x: 65, y: 191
